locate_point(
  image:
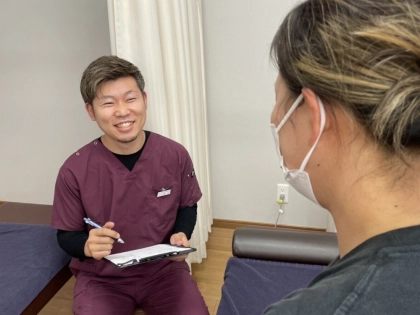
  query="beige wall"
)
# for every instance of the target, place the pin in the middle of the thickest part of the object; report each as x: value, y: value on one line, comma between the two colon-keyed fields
x: 240, y: 80
x: 45, y: 46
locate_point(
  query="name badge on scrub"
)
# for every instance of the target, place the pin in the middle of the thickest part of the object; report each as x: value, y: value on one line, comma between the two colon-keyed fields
x: 164, y: 193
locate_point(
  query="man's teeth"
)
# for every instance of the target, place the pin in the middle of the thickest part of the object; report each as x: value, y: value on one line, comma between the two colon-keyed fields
x: 124, y: 125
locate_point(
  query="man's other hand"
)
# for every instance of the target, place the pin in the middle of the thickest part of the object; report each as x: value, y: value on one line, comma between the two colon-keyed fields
x: 179, y: 239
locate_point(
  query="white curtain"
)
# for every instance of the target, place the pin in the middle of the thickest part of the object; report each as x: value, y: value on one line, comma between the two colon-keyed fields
x: 164, y: 39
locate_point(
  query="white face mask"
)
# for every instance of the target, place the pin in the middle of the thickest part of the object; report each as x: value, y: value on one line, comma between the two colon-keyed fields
x: 298, y: 179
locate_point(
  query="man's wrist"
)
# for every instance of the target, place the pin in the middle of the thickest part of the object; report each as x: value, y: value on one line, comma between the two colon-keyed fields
x: 88, y: 253
x: 181, y: 231
x: 182, y: 234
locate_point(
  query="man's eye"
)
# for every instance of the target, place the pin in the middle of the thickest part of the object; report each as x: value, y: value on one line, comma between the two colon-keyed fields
x: 131, y: 99
x: 107, y: 104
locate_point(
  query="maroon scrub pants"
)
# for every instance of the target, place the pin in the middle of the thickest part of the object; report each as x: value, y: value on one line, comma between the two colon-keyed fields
x: 172, y: 293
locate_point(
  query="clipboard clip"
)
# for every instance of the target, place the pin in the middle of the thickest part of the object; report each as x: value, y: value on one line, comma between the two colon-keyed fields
x: 128, y: 263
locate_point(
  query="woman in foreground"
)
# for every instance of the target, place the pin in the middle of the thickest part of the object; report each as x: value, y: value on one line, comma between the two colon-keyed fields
x: 347, y: 123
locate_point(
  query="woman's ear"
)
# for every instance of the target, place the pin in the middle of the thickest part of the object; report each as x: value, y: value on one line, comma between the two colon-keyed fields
x: 311, y: 99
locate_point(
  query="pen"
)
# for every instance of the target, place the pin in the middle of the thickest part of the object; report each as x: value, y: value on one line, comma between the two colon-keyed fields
x: 95, y: 225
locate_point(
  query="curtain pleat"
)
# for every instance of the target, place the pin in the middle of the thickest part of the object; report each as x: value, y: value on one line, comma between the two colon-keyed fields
x: 164, y: 39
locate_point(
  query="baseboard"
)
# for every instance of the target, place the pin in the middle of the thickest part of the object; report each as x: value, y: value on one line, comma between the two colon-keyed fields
x: 233, y: 224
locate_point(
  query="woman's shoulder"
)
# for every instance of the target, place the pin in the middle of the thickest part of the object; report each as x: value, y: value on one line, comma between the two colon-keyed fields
x: 384, y: 283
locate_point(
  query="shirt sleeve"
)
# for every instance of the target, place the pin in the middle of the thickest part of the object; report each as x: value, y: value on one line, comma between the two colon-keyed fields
x: 73, y: 243
x: 68, y: 210
x: 185, y: 220
x: 190, y: 189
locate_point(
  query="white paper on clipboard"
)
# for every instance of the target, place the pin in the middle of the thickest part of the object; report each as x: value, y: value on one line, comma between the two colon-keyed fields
x: 146, y: 254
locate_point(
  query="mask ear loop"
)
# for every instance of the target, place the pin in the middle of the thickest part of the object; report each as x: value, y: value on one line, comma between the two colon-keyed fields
x: 283, y: 121
x: 321, y: 129
x: 290, y: 112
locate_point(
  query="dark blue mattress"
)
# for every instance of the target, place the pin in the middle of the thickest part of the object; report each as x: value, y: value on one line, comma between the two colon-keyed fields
x: 30, y: 258
x: 252, y: 285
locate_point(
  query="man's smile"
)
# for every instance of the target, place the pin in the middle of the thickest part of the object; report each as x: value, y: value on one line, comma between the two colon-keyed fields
x: 125, y: 124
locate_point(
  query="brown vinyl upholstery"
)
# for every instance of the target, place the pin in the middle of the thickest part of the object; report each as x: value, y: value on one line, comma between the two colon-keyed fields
x: 16, y: 212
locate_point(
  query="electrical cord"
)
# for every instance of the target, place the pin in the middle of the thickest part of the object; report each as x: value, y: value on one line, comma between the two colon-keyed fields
x: 280, y: 202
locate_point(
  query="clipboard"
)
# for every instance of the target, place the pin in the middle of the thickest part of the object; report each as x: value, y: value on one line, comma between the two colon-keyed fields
x: 147, y: 254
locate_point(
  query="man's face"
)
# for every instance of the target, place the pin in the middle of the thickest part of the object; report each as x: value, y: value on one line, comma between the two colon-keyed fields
x: 119, y: 109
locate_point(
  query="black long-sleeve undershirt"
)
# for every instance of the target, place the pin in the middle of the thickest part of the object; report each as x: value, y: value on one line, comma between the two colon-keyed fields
x: 73, y: 242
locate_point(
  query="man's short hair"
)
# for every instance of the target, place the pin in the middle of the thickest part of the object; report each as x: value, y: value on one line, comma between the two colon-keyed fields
x: 107, y: 68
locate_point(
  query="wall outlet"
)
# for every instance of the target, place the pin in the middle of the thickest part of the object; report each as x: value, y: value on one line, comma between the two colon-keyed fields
x: 283, y: 189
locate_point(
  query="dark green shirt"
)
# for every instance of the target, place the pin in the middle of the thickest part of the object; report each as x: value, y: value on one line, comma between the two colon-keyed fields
x: 381, y: 276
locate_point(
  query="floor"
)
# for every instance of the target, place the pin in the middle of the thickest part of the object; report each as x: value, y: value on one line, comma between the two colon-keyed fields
x: 208, y: 274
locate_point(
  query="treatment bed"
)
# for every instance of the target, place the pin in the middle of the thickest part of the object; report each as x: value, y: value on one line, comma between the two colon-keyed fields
x: 32, y: 265
x: 269, y: 263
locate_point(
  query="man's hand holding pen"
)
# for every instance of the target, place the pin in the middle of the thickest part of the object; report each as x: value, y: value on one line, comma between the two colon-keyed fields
x: 100, y: 241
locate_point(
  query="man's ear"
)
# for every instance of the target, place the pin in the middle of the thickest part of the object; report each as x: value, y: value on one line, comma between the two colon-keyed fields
x: 145, y: 99
x: 90, y: 111
x: 311, y: 100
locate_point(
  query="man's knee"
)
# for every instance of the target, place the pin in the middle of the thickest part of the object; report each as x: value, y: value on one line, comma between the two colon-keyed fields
x: 103, y: 298
x: 176, y: 293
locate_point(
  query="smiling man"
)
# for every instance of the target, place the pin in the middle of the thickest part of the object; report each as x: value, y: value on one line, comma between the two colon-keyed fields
x: 140, y: 187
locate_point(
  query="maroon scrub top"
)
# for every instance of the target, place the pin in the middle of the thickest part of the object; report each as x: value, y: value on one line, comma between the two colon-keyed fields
x: 94, y: 183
